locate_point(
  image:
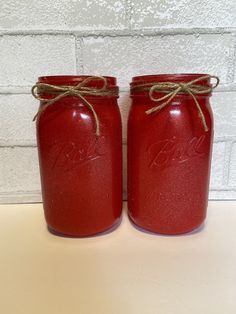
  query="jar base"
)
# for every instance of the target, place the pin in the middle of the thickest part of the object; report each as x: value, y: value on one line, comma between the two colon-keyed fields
x: 105, y: 231
x: 188, y: 231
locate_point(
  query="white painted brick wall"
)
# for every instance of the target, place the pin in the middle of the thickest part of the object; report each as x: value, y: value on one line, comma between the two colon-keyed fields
x: 128, y: 56
x: 19, y: 169
x: 23, y: 58
x: 232, y: 166
x: 224, y: 107
x: 111, y: 37
x: 16, y: 112
x: 217, y: 166
x: 62, y: 14
x: 183, y: 13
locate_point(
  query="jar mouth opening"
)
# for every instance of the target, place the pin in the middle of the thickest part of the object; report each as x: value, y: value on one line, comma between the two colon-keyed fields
x: 76, y: 79
x: 175, y: 77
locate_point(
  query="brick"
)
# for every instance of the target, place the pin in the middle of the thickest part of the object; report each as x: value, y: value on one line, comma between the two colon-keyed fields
x: 232, y: 168
x: 19, y: 169
x: 217, y: 167
x: 233, y: 70
x: 224, y: 109
x: 182, y: 13
x: 63, y: 14
x: 16, y: 114
x: 24, y: 58
x: 20, y: 197
x: 222, y: 195
x: 125, y: 57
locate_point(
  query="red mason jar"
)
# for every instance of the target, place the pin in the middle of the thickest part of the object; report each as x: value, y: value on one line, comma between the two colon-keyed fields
x: 81, y: 172
x: 169, y: 152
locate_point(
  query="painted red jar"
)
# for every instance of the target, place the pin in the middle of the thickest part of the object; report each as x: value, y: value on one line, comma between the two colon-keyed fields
x: 81, y: 171
x: 170, y: 133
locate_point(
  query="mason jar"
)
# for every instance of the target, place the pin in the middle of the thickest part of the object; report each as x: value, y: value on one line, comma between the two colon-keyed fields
x: 170, y: 135
x: 80, y: 153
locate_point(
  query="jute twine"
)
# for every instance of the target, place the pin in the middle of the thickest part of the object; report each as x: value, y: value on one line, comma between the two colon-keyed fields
x: 172, y: 89
x: 81, y: 90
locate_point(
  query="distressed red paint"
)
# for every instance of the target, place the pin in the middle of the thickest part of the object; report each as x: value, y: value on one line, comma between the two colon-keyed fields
x: 169, y: 157
x: 81, y: 173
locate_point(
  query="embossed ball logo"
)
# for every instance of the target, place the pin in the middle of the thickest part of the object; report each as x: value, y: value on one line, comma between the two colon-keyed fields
x: 68, y: 156
x: 170, y: 151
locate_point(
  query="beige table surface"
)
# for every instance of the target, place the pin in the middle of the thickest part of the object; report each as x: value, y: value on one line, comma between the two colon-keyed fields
x: 126, y: 271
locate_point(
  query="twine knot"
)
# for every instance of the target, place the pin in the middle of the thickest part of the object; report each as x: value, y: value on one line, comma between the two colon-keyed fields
x: 80, y: 90
x: 171, y: 89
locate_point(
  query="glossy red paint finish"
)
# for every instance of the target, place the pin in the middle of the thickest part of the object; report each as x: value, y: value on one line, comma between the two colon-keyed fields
x: 169, y: 158
x: 81, y: 174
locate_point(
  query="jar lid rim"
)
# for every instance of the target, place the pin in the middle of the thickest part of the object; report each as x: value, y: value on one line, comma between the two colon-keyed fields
x: 71, y: 76
x: 167, y: 76
x: 66, y: 79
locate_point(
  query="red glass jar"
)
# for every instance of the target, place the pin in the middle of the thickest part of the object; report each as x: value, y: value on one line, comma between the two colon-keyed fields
x: 81, y: 173
x: 169, y: 157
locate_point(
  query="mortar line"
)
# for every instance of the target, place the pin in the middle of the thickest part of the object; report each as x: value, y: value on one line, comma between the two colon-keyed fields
x: 231, y: 66
x: 227, y: 157
x: 11, y: 144
x: 223, y: 189
x: 79, y: 55
x: 15, y: 145
x: 122, y: 32
x: 230, y: 159
x: 20, y: 192
x: 234, y: 59
x: 128, y: 13
x: 26, y: 89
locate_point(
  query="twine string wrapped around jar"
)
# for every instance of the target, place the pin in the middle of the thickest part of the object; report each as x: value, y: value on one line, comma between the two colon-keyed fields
x: 171, y: 89
x: 80, y: 90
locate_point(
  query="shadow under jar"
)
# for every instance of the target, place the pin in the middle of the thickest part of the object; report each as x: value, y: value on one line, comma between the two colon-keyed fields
x: 81, y: 171
x: 169, y: 152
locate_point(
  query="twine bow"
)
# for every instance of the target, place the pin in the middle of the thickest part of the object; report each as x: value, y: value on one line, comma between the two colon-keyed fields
x: 172, y: 89
x: 79, y: 90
